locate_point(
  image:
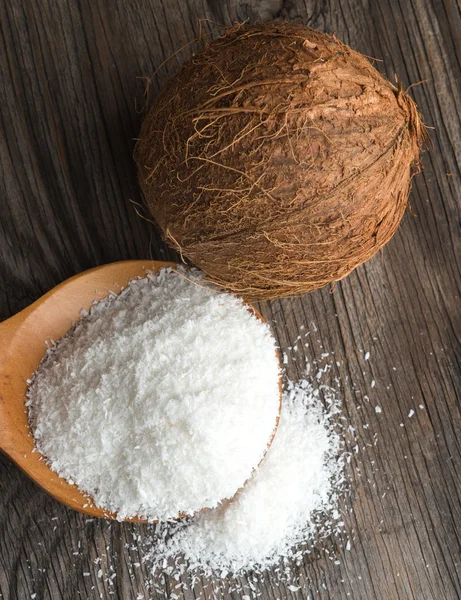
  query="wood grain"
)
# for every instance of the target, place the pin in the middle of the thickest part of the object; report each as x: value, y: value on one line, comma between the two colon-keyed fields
x: 71, y: 93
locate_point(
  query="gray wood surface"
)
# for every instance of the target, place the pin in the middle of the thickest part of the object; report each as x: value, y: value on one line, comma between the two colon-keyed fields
x: 71, y: 90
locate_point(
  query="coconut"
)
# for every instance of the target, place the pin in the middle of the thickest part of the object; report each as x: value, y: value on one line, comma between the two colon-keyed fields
x: 278, y: 159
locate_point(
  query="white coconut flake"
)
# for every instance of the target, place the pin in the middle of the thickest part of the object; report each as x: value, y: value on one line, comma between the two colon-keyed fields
x: 161, y: 400
x: 287, y: 501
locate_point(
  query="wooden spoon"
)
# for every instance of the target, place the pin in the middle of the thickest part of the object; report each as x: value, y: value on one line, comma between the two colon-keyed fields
x: 22, y: 347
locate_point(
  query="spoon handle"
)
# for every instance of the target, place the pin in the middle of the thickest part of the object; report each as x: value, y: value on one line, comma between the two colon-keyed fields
x: 8, y: 332
x: 8, y: 329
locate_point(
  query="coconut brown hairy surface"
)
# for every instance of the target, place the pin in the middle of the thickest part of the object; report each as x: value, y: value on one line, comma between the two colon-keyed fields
x: 278, y: 159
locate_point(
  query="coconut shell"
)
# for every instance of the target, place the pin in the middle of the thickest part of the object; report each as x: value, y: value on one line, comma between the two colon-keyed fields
x: 278, y: 159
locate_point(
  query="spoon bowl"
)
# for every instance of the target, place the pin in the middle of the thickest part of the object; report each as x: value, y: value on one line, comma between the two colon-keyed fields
x: 22, y: 347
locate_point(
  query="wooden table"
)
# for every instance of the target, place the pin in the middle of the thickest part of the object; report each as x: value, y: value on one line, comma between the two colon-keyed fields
x: 71, y: 92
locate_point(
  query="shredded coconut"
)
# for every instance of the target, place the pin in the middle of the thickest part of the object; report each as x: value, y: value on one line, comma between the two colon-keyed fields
x: 161, y: 400
x: 292, y: 496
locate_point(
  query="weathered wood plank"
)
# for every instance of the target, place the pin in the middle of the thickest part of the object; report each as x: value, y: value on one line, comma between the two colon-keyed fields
x: 71, y: 92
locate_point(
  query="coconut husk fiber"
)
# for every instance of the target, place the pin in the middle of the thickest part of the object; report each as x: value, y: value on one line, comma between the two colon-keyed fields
x: 278, y: 159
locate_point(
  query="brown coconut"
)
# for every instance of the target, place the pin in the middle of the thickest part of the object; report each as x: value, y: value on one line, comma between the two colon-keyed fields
x: 278, y: 159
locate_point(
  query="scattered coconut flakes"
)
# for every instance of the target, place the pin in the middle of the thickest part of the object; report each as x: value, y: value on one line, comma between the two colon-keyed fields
x: 161, y: 400
x: 290, y: 499
x: 286, y: 571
